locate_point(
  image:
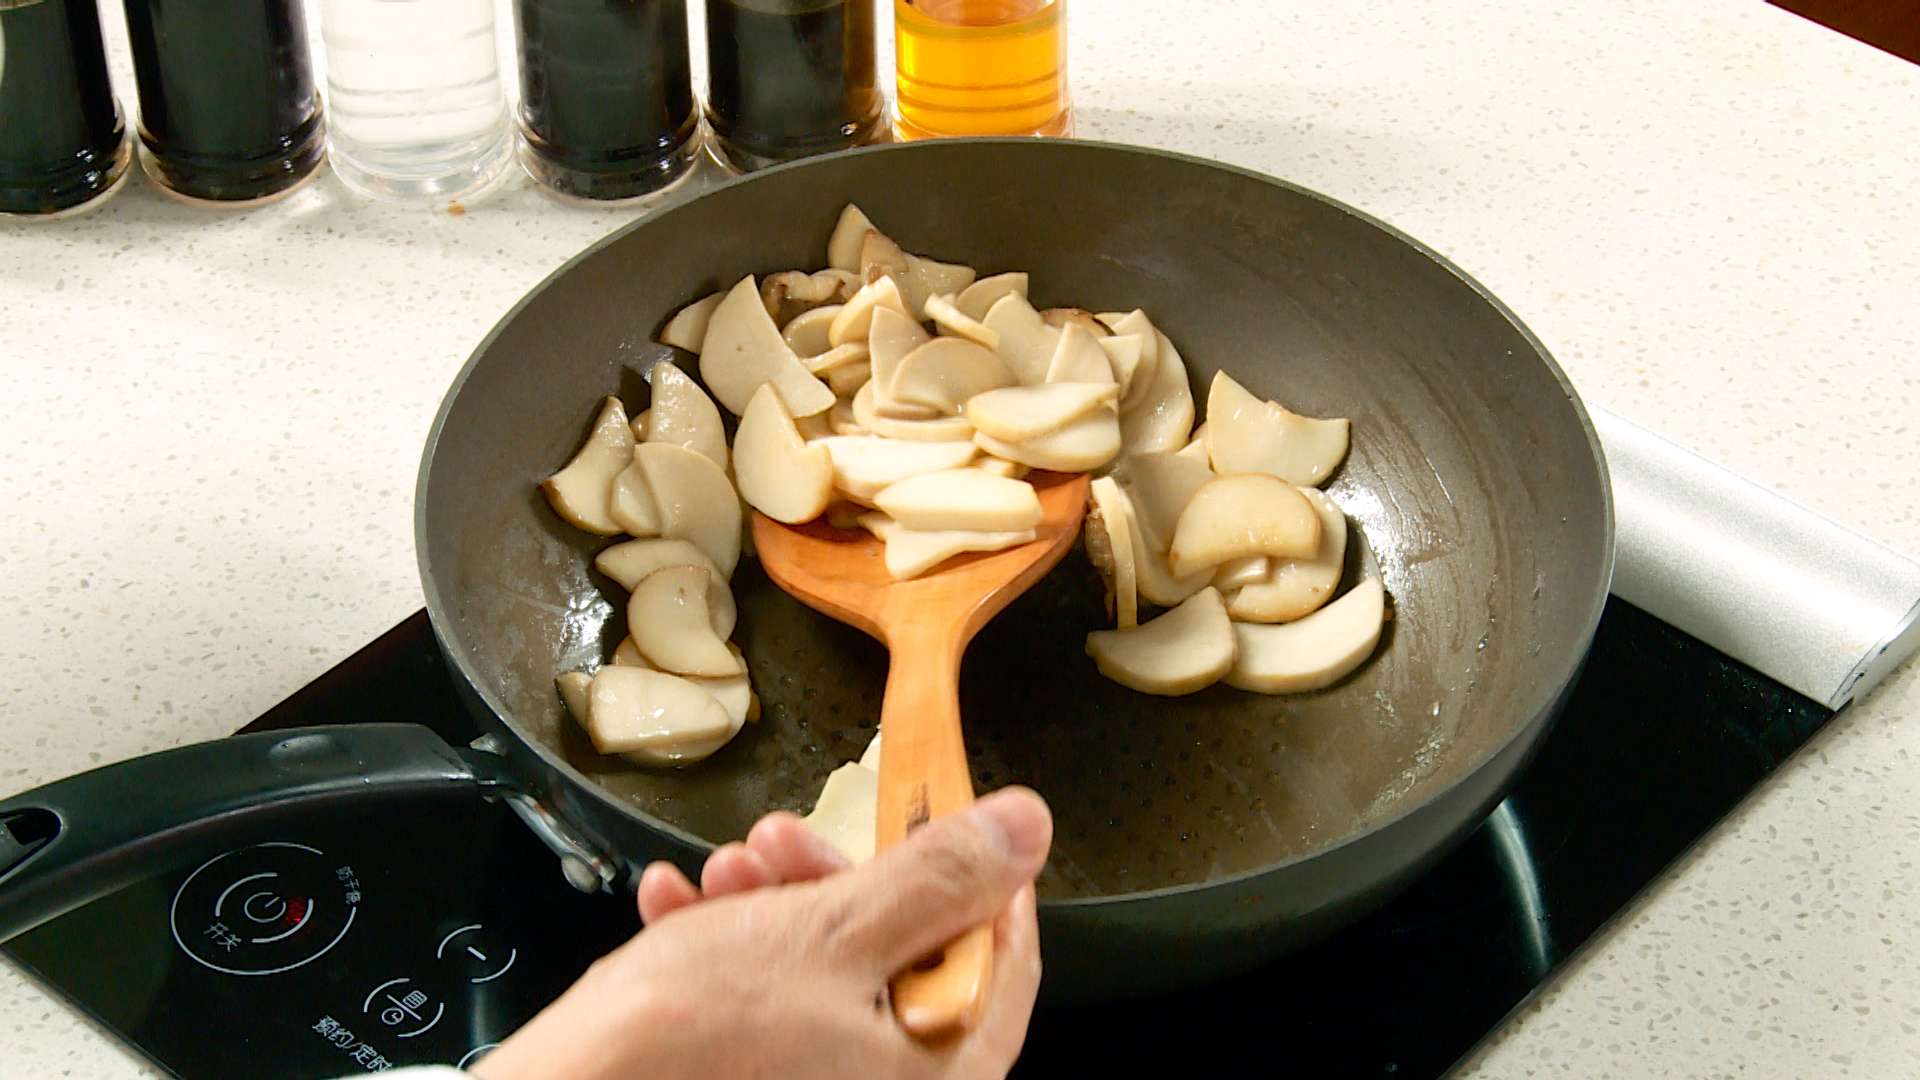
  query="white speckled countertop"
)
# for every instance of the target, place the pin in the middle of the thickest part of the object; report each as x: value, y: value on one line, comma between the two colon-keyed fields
x: 1708, y: 209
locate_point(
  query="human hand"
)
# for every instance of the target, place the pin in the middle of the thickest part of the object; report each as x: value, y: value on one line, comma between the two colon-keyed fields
x: 788, y: 977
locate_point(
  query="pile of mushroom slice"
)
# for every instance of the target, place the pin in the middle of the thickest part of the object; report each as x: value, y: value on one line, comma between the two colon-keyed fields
x: 675, y: 690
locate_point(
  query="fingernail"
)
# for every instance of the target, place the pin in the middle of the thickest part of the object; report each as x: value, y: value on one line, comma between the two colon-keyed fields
x: 1018, y: 820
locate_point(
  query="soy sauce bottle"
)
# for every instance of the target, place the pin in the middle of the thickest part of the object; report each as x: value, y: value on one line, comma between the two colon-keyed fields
x: 62, y: 140
x: 228, y: 106
x: 606, y: 95
x: 790, y: 78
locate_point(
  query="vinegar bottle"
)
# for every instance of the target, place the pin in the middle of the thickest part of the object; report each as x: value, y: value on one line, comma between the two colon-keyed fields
x: 981, y: 67
x: 62, y: 141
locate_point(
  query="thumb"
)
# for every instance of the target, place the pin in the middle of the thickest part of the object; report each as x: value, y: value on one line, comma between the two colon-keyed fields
x: 951, y: 874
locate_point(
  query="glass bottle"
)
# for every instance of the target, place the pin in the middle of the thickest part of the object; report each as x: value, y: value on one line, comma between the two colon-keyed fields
x: 62, y: 140
x: 228, y: 106
x: 606, y: 95
x: 789, y: 78
x: 415, y: 110
x: 981, y: 67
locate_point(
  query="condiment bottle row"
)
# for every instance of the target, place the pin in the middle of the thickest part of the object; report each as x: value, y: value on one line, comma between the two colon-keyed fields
x: 416, y: 110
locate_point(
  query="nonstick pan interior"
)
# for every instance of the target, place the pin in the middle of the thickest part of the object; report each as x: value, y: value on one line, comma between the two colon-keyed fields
x: 1474, y: 478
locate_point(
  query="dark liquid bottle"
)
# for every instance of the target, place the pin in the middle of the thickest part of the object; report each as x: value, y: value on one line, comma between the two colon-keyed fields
x: 228, y: 106
x: 62, y: 141
x: 606, y: 95
x: 790, y: 78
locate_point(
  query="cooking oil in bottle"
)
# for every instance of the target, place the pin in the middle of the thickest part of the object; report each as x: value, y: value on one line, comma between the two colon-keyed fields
x: 981, y: 67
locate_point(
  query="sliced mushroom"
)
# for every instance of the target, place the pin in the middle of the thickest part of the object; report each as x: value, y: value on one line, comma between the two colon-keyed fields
x: 1162, y: 418
x: 963, y: 499
x: 1110, y: 549
x: 841, y: 419
x: 574, y: 694
x: 744, y: 349
x: 1157, y: 583
x: 1063, y: 317
x: 1246, y: 570
x: 1078, y: 358
x: 890, y: 339
x: 856, y: 315
x: 852, y: 353
x: 1001, y: 467
x: 1246, y: 434
x: 627, y: 654
x: 1027, y: 343
x: 1196, y: 450
x: 849, y: 234
x: 639, y: 425
x: 936, y: 429
x: 1019, y: 413
x: 806, y: 335
x: 1161, y: 485
x: 953, y: 321
x: 583, y: 491
x: 865, y: 465
x: 870, y: 757
x: 630, y: 709
x: 978, y: 298
x: 631, y: 502
x: 1247, y: 514
x: 912, y: 552
x: 697, y: 503
x: 669, y: 619
x: 688, y: 327
x: 1313, y: 652
x: 627, y: 563
x: 779, y: 474
x: 1296, y: 587
x: 945, y: 372
x: 1181, y: 651
x: 684, y: 415
x: 846, y: 379
x: 791, y: 293
x: 1082, y: 446
x: 844, y: 814
x: 927, y: 277
x: 1123, y: 358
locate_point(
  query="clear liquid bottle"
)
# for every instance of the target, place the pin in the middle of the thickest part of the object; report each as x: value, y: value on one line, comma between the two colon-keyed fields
x: 981, y: 67
x: 63, y: 143
x: 416, y: 112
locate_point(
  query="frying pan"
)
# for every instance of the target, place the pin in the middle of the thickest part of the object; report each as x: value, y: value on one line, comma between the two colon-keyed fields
x: 1195, y: 836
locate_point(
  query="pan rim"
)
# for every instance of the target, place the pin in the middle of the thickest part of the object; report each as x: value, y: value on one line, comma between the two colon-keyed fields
x: 1566, y: 665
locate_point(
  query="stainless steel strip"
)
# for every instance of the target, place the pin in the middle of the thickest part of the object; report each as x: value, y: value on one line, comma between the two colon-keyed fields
x: 1772, y: 583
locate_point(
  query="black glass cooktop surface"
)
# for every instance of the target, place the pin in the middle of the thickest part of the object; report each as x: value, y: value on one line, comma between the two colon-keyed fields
x: 427, y: 932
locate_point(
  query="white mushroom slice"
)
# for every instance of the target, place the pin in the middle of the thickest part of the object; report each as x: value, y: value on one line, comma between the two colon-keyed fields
x: 779, y: 474
x: 574, y: 695
x: 1123, y: 358
x: 688, y: 327
x: 583, y: 490
x: 640, y: 424
x: 1314, y: 652
x: 744, y: 349
x: 841, y: 419
x: 1063, y: 317
x: 1002, y: 467
x: 631, y: 709
x: 818, y: 426
x: 848, y: 378
x: 628, y: 563
x: 1027, y: 343
x: 978, y: 298
x: 1183, y: 650
x: 937, y: 429
x: 1246, y: 435
x: 1157, y: 583
x: 841, y: 284
x: 671, y: 624
x: 791, y: 293
x: 1243, y: 571
x: 1161, y: 485
x: 849, y: 234
x: 952, y: 320
x: 856, y: 315
x: 1163, y: 417
x: 865, y: 465
x: 627, y: 654
x: 1082, y: 446
x: 684, y: 415
x: 1246, y: 514
x: 1295, y: 587
x: 696, y: 501
x: 1110, y: 548
x: 1135, y: 322
x: 844, y: 814
x: 912, y: 552
x: 806, y: 335
x: 881, y: 257
x: 871, y: 756
x: 928, y: 277
x: 890, y: 338
x: 1197, y: 449
x: 631, y: 502
x: 853, y: 352
x: 945, y: 372
x: 1019, y: 413
x: 1078, y: 358
x: 966, y: 499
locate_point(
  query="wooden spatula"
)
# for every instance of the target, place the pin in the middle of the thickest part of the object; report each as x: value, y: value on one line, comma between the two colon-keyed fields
x: 925, y: 624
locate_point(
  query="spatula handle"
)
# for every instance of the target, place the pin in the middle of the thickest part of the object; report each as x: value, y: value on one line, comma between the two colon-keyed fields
x: 923, y: 775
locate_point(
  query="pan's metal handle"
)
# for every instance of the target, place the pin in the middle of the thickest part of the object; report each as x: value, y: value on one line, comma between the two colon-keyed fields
x: 78, y: 839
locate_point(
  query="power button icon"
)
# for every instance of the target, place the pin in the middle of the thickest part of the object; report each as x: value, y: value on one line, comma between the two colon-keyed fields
x: 474, y: 950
